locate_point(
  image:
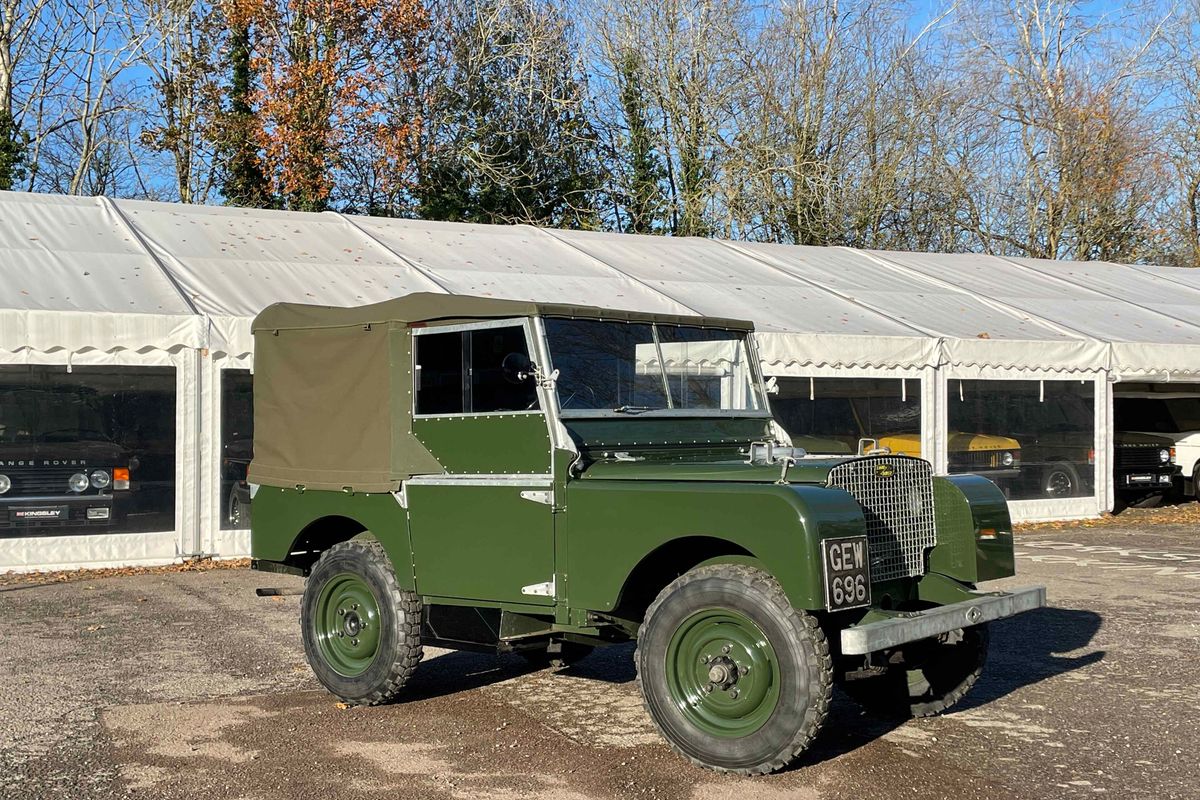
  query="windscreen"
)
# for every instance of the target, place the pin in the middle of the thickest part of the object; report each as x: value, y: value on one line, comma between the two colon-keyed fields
x: 635, y: 368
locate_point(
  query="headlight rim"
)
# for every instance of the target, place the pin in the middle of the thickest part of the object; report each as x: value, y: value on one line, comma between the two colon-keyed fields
x: 73, y: 483
x: 1164, y: 455
x: 5, y: 484
x: 104, y: 482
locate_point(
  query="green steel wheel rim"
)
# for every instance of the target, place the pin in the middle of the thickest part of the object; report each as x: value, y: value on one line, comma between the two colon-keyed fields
x: 722, y: 673
x: 347, y: 624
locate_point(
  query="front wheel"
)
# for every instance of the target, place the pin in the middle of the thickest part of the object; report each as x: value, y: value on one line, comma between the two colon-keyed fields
x: 361, y: 630
x: 733, y: 677
x: 924, y: 678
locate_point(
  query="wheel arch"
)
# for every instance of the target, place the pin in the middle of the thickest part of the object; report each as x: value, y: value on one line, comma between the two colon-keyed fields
x: 667, y: 562
x: 321, y: 534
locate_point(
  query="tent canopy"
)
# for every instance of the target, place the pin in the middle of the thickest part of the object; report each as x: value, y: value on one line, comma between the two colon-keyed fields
x: 97, y: 274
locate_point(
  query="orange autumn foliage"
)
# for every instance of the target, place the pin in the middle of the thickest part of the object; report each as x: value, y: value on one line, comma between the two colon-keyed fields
x: 323, y: 68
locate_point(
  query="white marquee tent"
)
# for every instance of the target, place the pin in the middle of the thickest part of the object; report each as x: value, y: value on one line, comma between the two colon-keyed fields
x: 93, y: 282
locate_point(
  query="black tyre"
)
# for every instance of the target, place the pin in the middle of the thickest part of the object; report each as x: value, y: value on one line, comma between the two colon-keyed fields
x: 571, y: 653
x: 925, y: 678
x: 361, y: 630
x: 234, y: 512
x: 1061, y: 480
x: 733, y: 677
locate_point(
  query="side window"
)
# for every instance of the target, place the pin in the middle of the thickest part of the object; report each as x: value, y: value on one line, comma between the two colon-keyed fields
x: 501, y: 378
x: 439, y: 373
x: 476, y: 371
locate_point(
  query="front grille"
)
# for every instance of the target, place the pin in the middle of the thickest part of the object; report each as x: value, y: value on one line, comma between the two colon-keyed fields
x: 978, y: 459
x: 896, y: 495
x: 1138, y: 456
x: 42, y: 481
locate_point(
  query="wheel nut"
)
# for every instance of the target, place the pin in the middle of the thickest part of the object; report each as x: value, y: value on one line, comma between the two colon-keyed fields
x: 703, y: 659
x: 341, y: 634
x: 726, y: 648
x: 354, y: 606
x: 733, y: 693
x: 354, y: 642
x: 341, y: 612
x: 744, y: 670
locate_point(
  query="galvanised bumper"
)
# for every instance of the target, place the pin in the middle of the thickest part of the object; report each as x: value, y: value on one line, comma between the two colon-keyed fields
x: 916, y: 625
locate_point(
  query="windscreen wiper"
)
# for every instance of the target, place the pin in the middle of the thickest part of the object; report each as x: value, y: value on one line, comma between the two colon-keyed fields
x: 635, y: 409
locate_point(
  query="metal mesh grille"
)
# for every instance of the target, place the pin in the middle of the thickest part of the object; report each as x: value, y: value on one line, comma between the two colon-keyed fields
x: 896, y: 495
x: 1138, y: 456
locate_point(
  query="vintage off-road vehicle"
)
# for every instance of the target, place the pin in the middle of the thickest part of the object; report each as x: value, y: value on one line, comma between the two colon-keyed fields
x: 541, y: 479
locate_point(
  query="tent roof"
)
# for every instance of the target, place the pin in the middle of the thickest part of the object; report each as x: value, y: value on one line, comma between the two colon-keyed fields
x: 93, y: 273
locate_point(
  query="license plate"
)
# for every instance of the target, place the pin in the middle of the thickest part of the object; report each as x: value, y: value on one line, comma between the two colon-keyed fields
x: 1139, y: 479
x: 847, y: 572
x: 39, y: 513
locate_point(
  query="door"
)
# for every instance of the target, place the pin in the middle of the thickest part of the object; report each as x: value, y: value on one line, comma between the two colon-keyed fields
x: 484, y: 530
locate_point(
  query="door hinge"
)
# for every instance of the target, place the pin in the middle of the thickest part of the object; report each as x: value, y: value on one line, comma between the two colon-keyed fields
x: 539, y: 589
x: 543, y: 496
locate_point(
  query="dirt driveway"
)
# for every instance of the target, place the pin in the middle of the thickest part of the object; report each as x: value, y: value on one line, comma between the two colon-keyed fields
x: 186, y: 685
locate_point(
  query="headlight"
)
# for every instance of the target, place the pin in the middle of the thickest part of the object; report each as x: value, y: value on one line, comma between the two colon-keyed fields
x: 78, y: 482
x: 1007, y: 459
x: 100, y: 479
x: 5, y: 483
x: 1164, y: 456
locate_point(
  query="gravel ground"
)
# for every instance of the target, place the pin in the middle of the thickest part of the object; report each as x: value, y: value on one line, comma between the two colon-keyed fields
x: 183, y: 684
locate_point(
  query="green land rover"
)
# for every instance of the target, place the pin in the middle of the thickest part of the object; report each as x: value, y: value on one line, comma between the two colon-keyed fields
x: 541, y: 479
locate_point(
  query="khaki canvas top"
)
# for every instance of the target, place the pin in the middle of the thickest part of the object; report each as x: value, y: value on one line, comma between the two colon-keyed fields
x: 333, y: 387
x: 432, y: 307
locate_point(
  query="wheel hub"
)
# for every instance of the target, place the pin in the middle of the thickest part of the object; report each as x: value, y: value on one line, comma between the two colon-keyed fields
x: 347, y: 623
x: 352, y: 624
x: 722, y: 672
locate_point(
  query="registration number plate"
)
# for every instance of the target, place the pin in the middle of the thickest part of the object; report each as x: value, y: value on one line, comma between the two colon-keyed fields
x: 847, y: 572
x: 39, y: 513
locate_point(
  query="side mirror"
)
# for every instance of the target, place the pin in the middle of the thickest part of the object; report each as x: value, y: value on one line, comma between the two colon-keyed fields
x: 517, y: 368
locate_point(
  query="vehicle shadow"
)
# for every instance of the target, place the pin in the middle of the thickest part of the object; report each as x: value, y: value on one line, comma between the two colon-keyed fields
x: 1024, y: 651
x: 1030, y: 648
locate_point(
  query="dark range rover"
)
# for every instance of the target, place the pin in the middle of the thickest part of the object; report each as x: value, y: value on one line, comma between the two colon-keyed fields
x: 67, y: 476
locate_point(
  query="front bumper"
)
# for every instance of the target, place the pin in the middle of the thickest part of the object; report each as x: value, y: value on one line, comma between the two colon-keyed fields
x: 913, y: 626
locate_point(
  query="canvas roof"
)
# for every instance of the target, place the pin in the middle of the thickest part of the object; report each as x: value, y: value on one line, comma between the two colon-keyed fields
x: 92, y: 273
x: 434, y: 306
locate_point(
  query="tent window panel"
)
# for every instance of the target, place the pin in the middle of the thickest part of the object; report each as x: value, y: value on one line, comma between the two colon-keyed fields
x: 831, y: 415
x: 1034, y: 439
x: 237, y: 446
x: 86, y: 451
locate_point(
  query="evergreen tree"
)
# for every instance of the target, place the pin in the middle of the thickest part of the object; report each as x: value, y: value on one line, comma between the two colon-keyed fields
x: 244, y: 180
x: 643, y: 170
x: 510, y: 140
x: 12, y: 151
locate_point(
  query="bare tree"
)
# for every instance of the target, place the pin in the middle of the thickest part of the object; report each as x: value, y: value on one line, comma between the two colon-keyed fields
x: 1069, y: 173
x: 180, y: 38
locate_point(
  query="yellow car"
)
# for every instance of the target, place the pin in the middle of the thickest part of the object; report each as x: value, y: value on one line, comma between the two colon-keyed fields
x: 995, y: 457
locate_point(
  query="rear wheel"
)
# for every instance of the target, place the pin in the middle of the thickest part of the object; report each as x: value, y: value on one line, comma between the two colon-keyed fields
x: 1060, y: 480
x: 361, y: 630
x: 733, y: 677
x: 925, y: 678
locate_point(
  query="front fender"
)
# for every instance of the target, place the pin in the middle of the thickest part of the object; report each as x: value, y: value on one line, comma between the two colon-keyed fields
x: 612, y: 525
